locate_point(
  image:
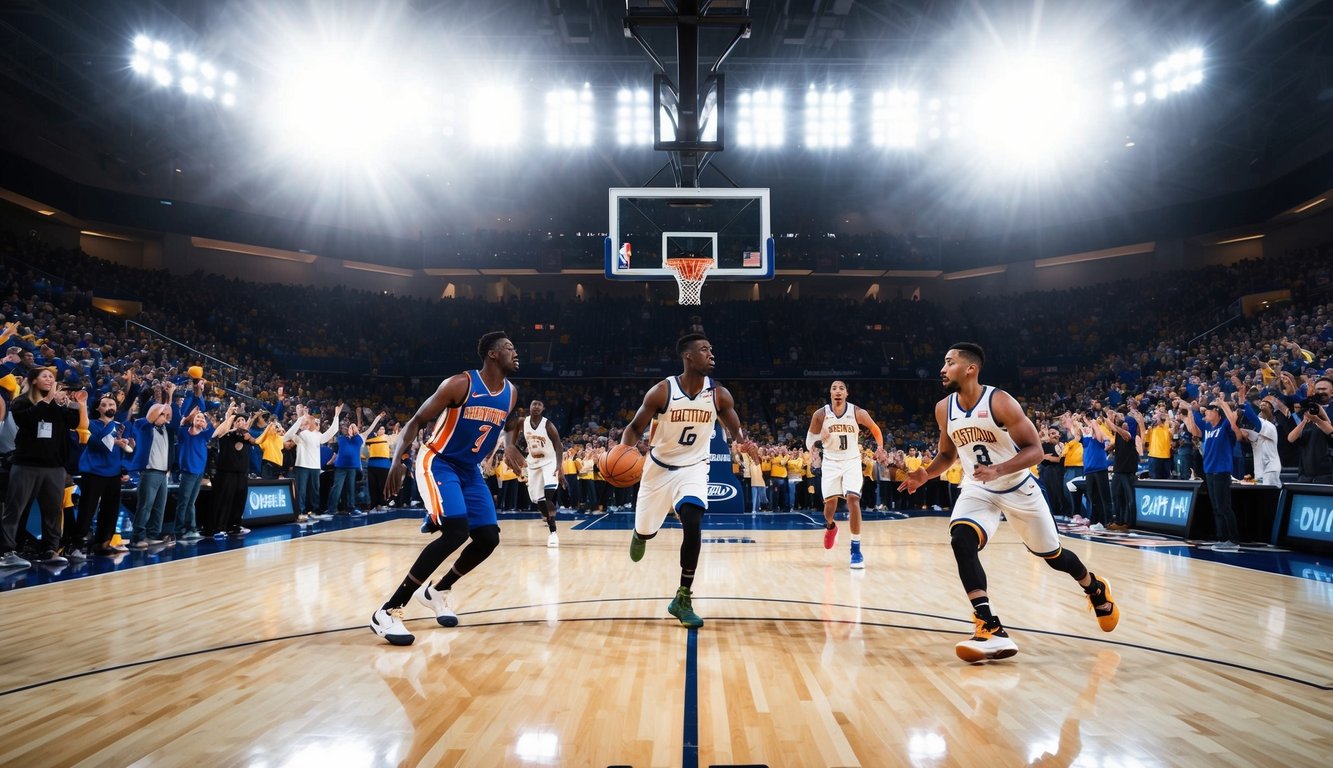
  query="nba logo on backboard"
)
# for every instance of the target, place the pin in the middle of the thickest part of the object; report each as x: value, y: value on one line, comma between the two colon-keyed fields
x: 622, y: 257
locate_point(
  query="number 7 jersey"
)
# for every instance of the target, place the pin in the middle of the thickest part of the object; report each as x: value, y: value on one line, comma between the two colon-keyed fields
x: 980, y: 440
x: 467, y: 433
x: 682, y: 432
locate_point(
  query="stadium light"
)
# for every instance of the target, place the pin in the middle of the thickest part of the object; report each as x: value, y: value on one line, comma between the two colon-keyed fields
x: 1178, y: 72
x: 761, y: 118
x: 153, y: 59
x: 828, y: 117
x: 895, y: 120
x: 495, y: 114
x: 569, y: 117
x: 634, y: 118
x: 1028, y: 110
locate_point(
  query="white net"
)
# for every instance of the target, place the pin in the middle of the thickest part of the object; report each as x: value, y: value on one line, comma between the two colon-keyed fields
x: 690, y: 276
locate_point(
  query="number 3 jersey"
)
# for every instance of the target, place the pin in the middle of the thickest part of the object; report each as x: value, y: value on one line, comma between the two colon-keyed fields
x: 468, y: 433
x: 682, y: 432
x: 980, y: 440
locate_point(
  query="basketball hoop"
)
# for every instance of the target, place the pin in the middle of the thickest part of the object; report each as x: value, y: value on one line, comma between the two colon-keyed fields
x: 690, y: 275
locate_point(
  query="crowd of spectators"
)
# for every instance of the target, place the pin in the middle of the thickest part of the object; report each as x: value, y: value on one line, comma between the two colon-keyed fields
x: 1131, y: 355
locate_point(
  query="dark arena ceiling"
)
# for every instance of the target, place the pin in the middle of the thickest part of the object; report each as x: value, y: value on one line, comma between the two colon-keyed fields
x: 1255, y: 130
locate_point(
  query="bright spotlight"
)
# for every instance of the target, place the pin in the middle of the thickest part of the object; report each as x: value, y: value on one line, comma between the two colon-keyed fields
x: 569, y: 117
x: 140, y: 64
x: 228, y: 99
x: 1160, y: 91
x: 208, y: 92
x: 1160, y: 70
x: 1140, y: 98
x: 761, y: 119
x: 189, y: 85
x: 495, y: 116
x: 828, y: 118
x: 1140, y: 77
x: 142, y: 43
x: 229, y: 79
x: 208, y: 71
x: 1029, y: 110
x: 1272, y: 2
x: 162, y: 76
x: 187, y: 61
x: 894, y: 120
x: 634, y: 118
x: 161, y: 50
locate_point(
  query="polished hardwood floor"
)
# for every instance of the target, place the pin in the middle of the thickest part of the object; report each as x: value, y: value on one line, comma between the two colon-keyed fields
x: 261, y: 657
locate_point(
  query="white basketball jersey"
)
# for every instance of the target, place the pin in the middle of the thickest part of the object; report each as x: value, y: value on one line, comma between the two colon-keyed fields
x: 980, y: 440
x: 683, y: 432
x: 842, y: 443
x: 540, y: 450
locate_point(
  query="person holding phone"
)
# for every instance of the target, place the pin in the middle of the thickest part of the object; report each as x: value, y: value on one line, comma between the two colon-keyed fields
x: 44, y: 415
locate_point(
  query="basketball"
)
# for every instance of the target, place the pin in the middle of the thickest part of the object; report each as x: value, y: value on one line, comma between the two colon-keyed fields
x: 621, y: 466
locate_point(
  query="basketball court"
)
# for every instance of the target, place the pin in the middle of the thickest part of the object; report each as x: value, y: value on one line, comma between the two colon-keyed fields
x: 261, y: 656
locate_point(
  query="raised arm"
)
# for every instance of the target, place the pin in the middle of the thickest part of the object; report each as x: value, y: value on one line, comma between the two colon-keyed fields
x: 328, y: 434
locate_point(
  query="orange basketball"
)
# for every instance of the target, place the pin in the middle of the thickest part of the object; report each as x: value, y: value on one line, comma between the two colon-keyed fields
x: 621, y: 466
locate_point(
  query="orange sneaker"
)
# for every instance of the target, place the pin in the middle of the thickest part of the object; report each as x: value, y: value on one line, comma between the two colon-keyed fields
x: 1107, y: 618
x: 989, y: 641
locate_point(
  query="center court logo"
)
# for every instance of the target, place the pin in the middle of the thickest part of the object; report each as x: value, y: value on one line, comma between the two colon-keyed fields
x: 721, y: 491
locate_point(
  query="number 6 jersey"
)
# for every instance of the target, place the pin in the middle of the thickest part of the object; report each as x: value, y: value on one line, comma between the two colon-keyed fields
x: 682, y: 433
x: 980, y: 440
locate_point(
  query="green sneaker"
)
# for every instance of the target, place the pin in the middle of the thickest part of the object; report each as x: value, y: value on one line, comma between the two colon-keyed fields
x: 682, y: 608
x: 636, y: 547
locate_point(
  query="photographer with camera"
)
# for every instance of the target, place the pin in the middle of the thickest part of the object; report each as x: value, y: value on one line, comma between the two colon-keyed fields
x: 1313, y: 433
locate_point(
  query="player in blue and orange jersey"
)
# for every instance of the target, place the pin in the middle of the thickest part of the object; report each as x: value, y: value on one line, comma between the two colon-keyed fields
x: 469, y: 411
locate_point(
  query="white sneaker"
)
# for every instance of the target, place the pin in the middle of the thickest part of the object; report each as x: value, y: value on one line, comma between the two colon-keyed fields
x: 389, y: 625
x: 12, y: 560
x: 438, y: 601
x: 553, y: 541
x: 1226, y: 546
x: 1097, y: 528
x: 76, y: 554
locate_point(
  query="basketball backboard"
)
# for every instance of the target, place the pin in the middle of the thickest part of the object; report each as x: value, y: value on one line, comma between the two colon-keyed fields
x: 649, y: 225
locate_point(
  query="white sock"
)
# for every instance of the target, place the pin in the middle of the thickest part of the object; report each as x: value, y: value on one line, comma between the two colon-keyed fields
x: 856, y: 537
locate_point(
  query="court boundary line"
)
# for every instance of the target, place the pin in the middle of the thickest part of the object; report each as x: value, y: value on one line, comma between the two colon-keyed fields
x: 775, y: 619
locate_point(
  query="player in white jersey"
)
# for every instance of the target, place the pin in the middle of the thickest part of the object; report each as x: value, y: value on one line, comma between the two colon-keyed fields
x: 837, y: 427
x: 986, y: 430
x: 544, y: 476
x: 683, y: 410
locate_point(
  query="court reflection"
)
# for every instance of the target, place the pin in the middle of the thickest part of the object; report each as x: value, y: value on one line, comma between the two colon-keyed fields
x: 985, y: 733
